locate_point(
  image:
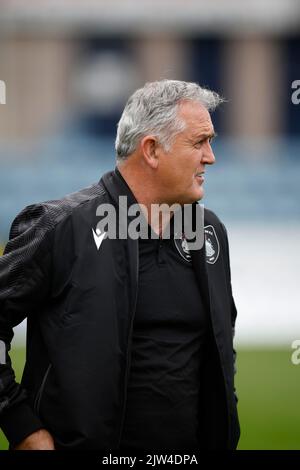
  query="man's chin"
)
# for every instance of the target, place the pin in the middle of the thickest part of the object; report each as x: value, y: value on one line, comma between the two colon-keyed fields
x: 196, y: 196
x: 199, y: 194
x: 189, y: 197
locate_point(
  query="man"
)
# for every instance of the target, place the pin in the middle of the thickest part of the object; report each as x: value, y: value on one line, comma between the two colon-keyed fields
x: 129, y: 339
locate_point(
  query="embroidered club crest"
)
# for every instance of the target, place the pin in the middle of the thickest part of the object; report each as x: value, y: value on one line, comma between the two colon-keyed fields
x: 212, y: 246
x: 182, y: 248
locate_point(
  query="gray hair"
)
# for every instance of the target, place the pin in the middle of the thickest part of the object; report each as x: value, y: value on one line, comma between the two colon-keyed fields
x: 153, y: 110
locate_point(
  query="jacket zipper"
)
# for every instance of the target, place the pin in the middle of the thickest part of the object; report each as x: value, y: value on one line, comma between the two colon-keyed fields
x: 128, y: 350
x: 37, y: 401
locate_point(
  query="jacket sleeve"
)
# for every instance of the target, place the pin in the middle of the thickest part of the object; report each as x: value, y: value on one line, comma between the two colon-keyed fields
x: 24, y: 283
x: 233, y: 307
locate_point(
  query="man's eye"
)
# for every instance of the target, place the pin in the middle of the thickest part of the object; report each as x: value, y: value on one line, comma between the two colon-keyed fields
x: 208, y: 139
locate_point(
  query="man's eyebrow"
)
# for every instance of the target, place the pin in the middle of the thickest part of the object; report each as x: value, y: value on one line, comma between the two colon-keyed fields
x: 211, y: 135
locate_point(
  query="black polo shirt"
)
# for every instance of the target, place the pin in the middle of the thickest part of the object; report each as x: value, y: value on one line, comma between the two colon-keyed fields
x: 168, y: 343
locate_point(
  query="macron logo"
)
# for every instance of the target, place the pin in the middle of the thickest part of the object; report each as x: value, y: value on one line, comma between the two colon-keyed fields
x: 98, y: 237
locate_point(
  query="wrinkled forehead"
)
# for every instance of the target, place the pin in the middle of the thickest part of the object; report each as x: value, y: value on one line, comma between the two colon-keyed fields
x: 196, y: 117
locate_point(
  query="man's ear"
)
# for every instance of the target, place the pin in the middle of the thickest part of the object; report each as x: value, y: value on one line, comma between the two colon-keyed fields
x: 149, y: 147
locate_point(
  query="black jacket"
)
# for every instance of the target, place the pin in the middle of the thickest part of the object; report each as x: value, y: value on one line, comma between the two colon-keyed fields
x: 80, y: 305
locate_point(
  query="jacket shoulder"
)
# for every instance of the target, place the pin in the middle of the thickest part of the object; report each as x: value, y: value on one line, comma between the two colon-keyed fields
x: 48, y: 214
x: 58, y: 209
x: 210, y: 218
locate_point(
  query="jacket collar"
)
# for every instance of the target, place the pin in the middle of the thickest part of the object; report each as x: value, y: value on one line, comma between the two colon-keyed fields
x: 116, y: 186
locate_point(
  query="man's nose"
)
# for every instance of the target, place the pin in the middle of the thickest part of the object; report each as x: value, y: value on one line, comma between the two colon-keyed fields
x: 208, y: 155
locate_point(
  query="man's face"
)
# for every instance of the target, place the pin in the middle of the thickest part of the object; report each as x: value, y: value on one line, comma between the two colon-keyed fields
x: 179, y: 169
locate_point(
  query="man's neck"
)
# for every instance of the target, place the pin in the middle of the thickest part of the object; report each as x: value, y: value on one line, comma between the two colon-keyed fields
x: 147, y: 197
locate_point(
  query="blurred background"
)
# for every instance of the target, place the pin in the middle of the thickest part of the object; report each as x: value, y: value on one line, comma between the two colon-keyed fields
x: 69, y: 66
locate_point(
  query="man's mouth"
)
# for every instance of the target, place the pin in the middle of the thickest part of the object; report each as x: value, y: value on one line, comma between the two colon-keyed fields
x: 200, y: 175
